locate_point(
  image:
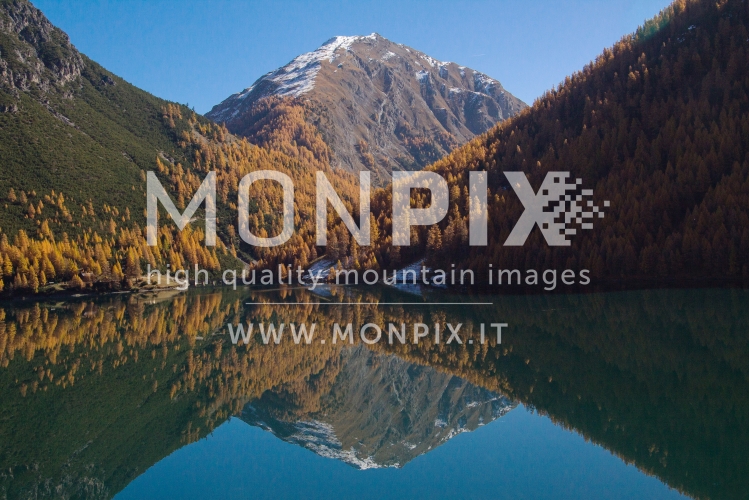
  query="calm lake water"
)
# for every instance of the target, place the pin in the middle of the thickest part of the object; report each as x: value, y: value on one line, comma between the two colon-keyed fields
x: 640, y: 394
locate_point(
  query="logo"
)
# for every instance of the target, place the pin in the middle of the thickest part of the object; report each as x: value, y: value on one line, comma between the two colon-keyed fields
x: 558, y: 208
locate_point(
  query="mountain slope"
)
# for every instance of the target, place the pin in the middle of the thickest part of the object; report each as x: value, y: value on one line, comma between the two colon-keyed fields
x: 68, y: 124
x: 75, y: 143
x: 379, y: 105
x: 658, y: 125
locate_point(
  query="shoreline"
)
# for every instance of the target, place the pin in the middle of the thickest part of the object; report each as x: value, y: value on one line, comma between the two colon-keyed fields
x: 602, y: 286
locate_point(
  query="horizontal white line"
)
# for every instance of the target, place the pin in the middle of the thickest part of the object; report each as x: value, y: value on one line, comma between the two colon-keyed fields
x: 372, y: 303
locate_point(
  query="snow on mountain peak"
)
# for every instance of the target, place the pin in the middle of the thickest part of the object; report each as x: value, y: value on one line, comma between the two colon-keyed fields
x: 483, y: 83
x: 298, y: 77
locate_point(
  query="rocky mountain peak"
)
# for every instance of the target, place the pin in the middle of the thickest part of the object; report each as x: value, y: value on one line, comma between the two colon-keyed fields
x: 379, y: 105
x: 33, y: 52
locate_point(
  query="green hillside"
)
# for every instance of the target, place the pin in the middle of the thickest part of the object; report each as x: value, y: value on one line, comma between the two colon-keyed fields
x: 71, y: 126
x: 75, y: 144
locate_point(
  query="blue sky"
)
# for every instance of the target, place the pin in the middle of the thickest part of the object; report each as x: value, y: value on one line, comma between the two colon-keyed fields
x: 200, y: 52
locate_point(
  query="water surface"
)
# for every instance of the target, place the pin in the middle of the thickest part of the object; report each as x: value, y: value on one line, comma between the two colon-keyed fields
x: 614, y: 395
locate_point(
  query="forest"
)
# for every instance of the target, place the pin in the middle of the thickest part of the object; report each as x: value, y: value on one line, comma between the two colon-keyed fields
x: 659, y: 125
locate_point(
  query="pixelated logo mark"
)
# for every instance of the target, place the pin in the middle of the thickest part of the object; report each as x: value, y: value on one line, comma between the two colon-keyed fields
x: 557, y: 208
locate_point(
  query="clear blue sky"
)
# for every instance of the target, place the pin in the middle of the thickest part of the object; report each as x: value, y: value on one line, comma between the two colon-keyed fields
x: 200, y: 52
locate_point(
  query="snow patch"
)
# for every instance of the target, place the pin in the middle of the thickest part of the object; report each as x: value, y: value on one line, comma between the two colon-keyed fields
x: 433, y: 62
x: 483, y: 84
x: 298, y: 77
x: 452, y: 433
x: 320, y: 438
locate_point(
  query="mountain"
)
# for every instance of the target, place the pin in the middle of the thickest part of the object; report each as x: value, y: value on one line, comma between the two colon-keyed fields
x: 68, y: 124
x: 379, y: 105
x: 76, y: 142
x: 380, y: 411
x: 659, y: 126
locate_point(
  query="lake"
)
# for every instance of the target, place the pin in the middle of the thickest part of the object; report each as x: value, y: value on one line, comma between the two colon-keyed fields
x: 634, y: 394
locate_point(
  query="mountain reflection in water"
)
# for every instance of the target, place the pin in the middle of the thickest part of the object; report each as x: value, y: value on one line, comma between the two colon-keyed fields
x: 97, y: 390
x: 379, y: 412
